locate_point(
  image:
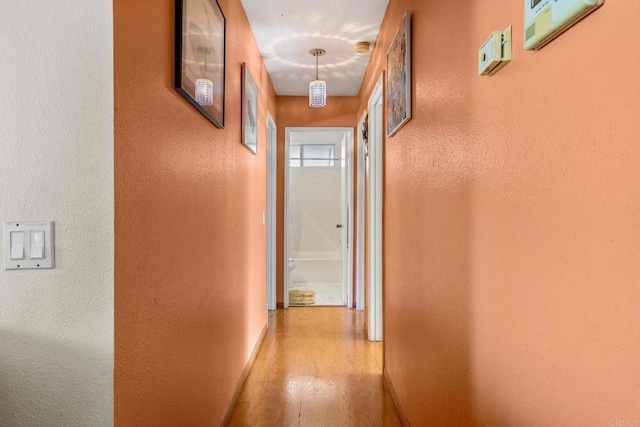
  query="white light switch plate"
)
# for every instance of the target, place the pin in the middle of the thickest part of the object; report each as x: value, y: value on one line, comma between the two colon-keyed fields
x: 490, y: 53
x: 27, y: 227
x: 495, y: 53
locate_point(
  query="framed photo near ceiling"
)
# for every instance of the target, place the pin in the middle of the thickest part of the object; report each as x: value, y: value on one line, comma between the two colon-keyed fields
x: 249, y: 111
x: 398, y: 100
x: 200, y: 56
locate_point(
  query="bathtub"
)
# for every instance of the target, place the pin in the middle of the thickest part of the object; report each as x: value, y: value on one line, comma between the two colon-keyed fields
x: 314, y: 268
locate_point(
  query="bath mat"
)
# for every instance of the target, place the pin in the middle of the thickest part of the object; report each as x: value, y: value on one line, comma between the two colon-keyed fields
x: 302, y: 297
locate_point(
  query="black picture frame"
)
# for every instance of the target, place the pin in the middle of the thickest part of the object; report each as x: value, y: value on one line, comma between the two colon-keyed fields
x: 200, y: 50
x: 249, y: 110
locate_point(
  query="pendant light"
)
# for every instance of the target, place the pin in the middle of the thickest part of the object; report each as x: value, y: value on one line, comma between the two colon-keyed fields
x: 317, y: 87
x: 204, y: 86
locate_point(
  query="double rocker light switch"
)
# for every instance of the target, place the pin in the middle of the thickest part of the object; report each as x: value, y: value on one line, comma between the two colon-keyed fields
x: 28, y: 244
x: 16, y: 239
x: 37, y: 244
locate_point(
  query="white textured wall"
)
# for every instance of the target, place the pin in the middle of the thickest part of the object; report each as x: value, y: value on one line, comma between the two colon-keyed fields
x: 56, y: 163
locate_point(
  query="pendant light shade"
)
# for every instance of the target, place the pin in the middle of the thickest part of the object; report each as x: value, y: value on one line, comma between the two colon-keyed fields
x: 317, y: 93
x: 317, y: 87
x: 204, y: 92
x: 204, y: 86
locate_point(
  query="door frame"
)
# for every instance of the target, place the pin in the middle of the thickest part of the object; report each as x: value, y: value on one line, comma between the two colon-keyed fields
x: 360, y: 220
x: 271, y: 220
x: 347, y: 228
x: 376, y: 154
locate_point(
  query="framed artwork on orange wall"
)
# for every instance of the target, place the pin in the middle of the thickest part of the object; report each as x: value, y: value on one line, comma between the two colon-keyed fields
x: 398, y: 101
x: 200, y: 56
x: 249, y: 111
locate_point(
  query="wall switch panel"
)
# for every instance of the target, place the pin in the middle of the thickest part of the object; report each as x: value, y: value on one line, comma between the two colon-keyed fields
x: 28, y: 245
x: 495, y: 53
x: 490, y: 53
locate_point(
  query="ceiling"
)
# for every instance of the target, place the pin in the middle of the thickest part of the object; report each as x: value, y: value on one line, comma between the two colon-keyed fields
x: 286, y: 30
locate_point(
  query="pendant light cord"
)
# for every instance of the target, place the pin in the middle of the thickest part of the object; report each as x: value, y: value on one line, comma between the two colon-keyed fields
x: 204, y: 50
x: 205, y: 65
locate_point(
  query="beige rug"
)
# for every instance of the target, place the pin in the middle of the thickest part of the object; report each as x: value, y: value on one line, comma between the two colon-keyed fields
x: 302, y: 297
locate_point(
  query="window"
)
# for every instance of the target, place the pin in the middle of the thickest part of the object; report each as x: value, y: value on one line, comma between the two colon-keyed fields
x: 312, y: 155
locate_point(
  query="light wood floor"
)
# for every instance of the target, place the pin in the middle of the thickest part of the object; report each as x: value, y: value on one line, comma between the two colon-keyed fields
x: 315, y: 368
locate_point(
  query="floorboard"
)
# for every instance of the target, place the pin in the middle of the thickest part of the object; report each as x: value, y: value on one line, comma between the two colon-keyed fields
x: 315, y: 368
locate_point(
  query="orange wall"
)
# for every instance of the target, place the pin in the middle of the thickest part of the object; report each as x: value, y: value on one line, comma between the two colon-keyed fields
x: 190, y: 265
x: 511, y: 221
x: 294, y: 111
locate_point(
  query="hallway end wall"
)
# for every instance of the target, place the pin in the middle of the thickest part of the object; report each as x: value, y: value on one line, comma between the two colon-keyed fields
x: 190, y: 266
x: 511, y: 221
x: 56, y: 164
x: 294, y: 111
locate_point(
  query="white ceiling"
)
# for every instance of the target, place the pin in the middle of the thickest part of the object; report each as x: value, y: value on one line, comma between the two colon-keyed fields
x: 286, y: 30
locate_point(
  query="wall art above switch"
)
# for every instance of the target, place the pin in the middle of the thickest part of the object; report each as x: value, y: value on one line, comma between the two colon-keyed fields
x: 28, y: 245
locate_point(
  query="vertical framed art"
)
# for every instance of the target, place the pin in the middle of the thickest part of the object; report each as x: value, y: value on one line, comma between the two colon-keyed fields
x: 249, y: 111
x: 200, y: 56
x: 398, y: 103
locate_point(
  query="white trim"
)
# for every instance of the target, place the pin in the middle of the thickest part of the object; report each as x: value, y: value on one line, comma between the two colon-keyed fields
x: 286, y: 256
x: 360, y: 220
x: 376, y: 139
x: 347, y: 227
x: 272, y: 162
x: 347, y: 238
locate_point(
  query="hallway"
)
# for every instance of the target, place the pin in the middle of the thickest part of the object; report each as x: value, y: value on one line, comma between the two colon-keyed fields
x: 315, y: 368
x: 509, y: 206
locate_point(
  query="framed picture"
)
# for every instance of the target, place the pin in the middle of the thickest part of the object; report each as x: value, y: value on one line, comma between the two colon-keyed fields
x: 399, y: 78
x: 365, y: 134
x: 200, y: 55
x: 249, y: 111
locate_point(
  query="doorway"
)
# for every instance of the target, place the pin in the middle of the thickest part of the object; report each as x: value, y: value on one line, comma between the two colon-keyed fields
x: 318, y: 217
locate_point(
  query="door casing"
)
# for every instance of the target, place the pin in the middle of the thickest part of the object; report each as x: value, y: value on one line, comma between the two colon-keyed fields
x: 376, y: 153
x: 347, y: 218
x: 272, y: 161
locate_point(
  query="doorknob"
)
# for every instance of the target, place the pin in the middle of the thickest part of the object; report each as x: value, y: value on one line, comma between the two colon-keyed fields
x: 338, y: 225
